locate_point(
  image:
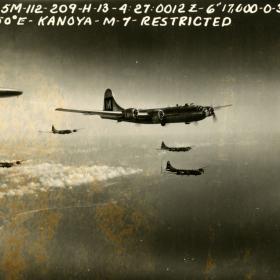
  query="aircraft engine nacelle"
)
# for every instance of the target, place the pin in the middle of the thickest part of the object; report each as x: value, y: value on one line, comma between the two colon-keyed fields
x: 160, y: 115
x: 130, y: 113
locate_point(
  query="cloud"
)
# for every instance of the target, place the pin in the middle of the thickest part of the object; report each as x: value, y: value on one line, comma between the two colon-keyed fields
x: 29, y: 179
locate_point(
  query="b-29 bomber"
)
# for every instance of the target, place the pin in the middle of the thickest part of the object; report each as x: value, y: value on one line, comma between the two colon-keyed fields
x: 186, y: 172
x: 187, y: 113
x: 174, y: 149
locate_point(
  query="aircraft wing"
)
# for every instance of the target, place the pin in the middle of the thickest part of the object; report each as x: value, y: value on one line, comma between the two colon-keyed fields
x: 41, y: 131
x: 98, y: 113
x: 220, y: 107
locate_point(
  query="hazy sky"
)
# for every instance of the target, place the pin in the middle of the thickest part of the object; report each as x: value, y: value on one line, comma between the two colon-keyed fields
x: 144, y: 67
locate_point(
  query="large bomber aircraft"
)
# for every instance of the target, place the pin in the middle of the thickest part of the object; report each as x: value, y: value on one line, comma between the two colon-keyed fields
x: 177, y: 114
x: 4, y: 93
x: 9, y: 93
x: 174, y: 149
x: 187, y: 172
x: 9, y: 164
x: 64, y: 131
x: 61, y: 131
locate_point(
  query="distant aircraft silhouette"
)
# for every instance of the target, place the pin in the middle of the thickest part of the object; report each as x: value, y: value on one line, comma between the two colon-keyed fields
x: 4, y: 93
x: 174, y: 149
x: 63, y: 131
x: 187, y: 172
x: 7, y: 164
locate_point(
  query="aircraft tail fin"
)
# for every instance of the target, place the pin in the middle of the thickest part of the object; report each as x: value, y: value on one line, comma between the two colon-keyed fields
x: 163, y: 146
x: 110, y: 103
x: 168, y: 165
x: 53, y: 129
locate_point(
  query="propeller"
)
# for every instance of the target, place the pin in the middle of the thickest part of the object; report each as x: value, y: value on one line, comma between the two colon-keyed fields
x: 210, y: 111
x: 214, y: 117
x: 20, y: 161
x: 218, y: 108
x: 203, y: 168
x: 77, y: 129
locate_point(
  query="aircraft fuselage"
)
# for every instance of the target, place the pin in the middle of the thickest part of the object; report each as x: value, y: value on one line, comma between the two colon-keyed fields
x: 175, y: 149
x: 193, y: 172
x: 66, y: 131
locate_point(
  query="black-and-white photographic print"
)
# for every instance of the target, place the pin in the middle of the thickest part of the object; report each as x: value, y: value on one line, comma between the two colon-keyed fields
x: 139, y: 139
